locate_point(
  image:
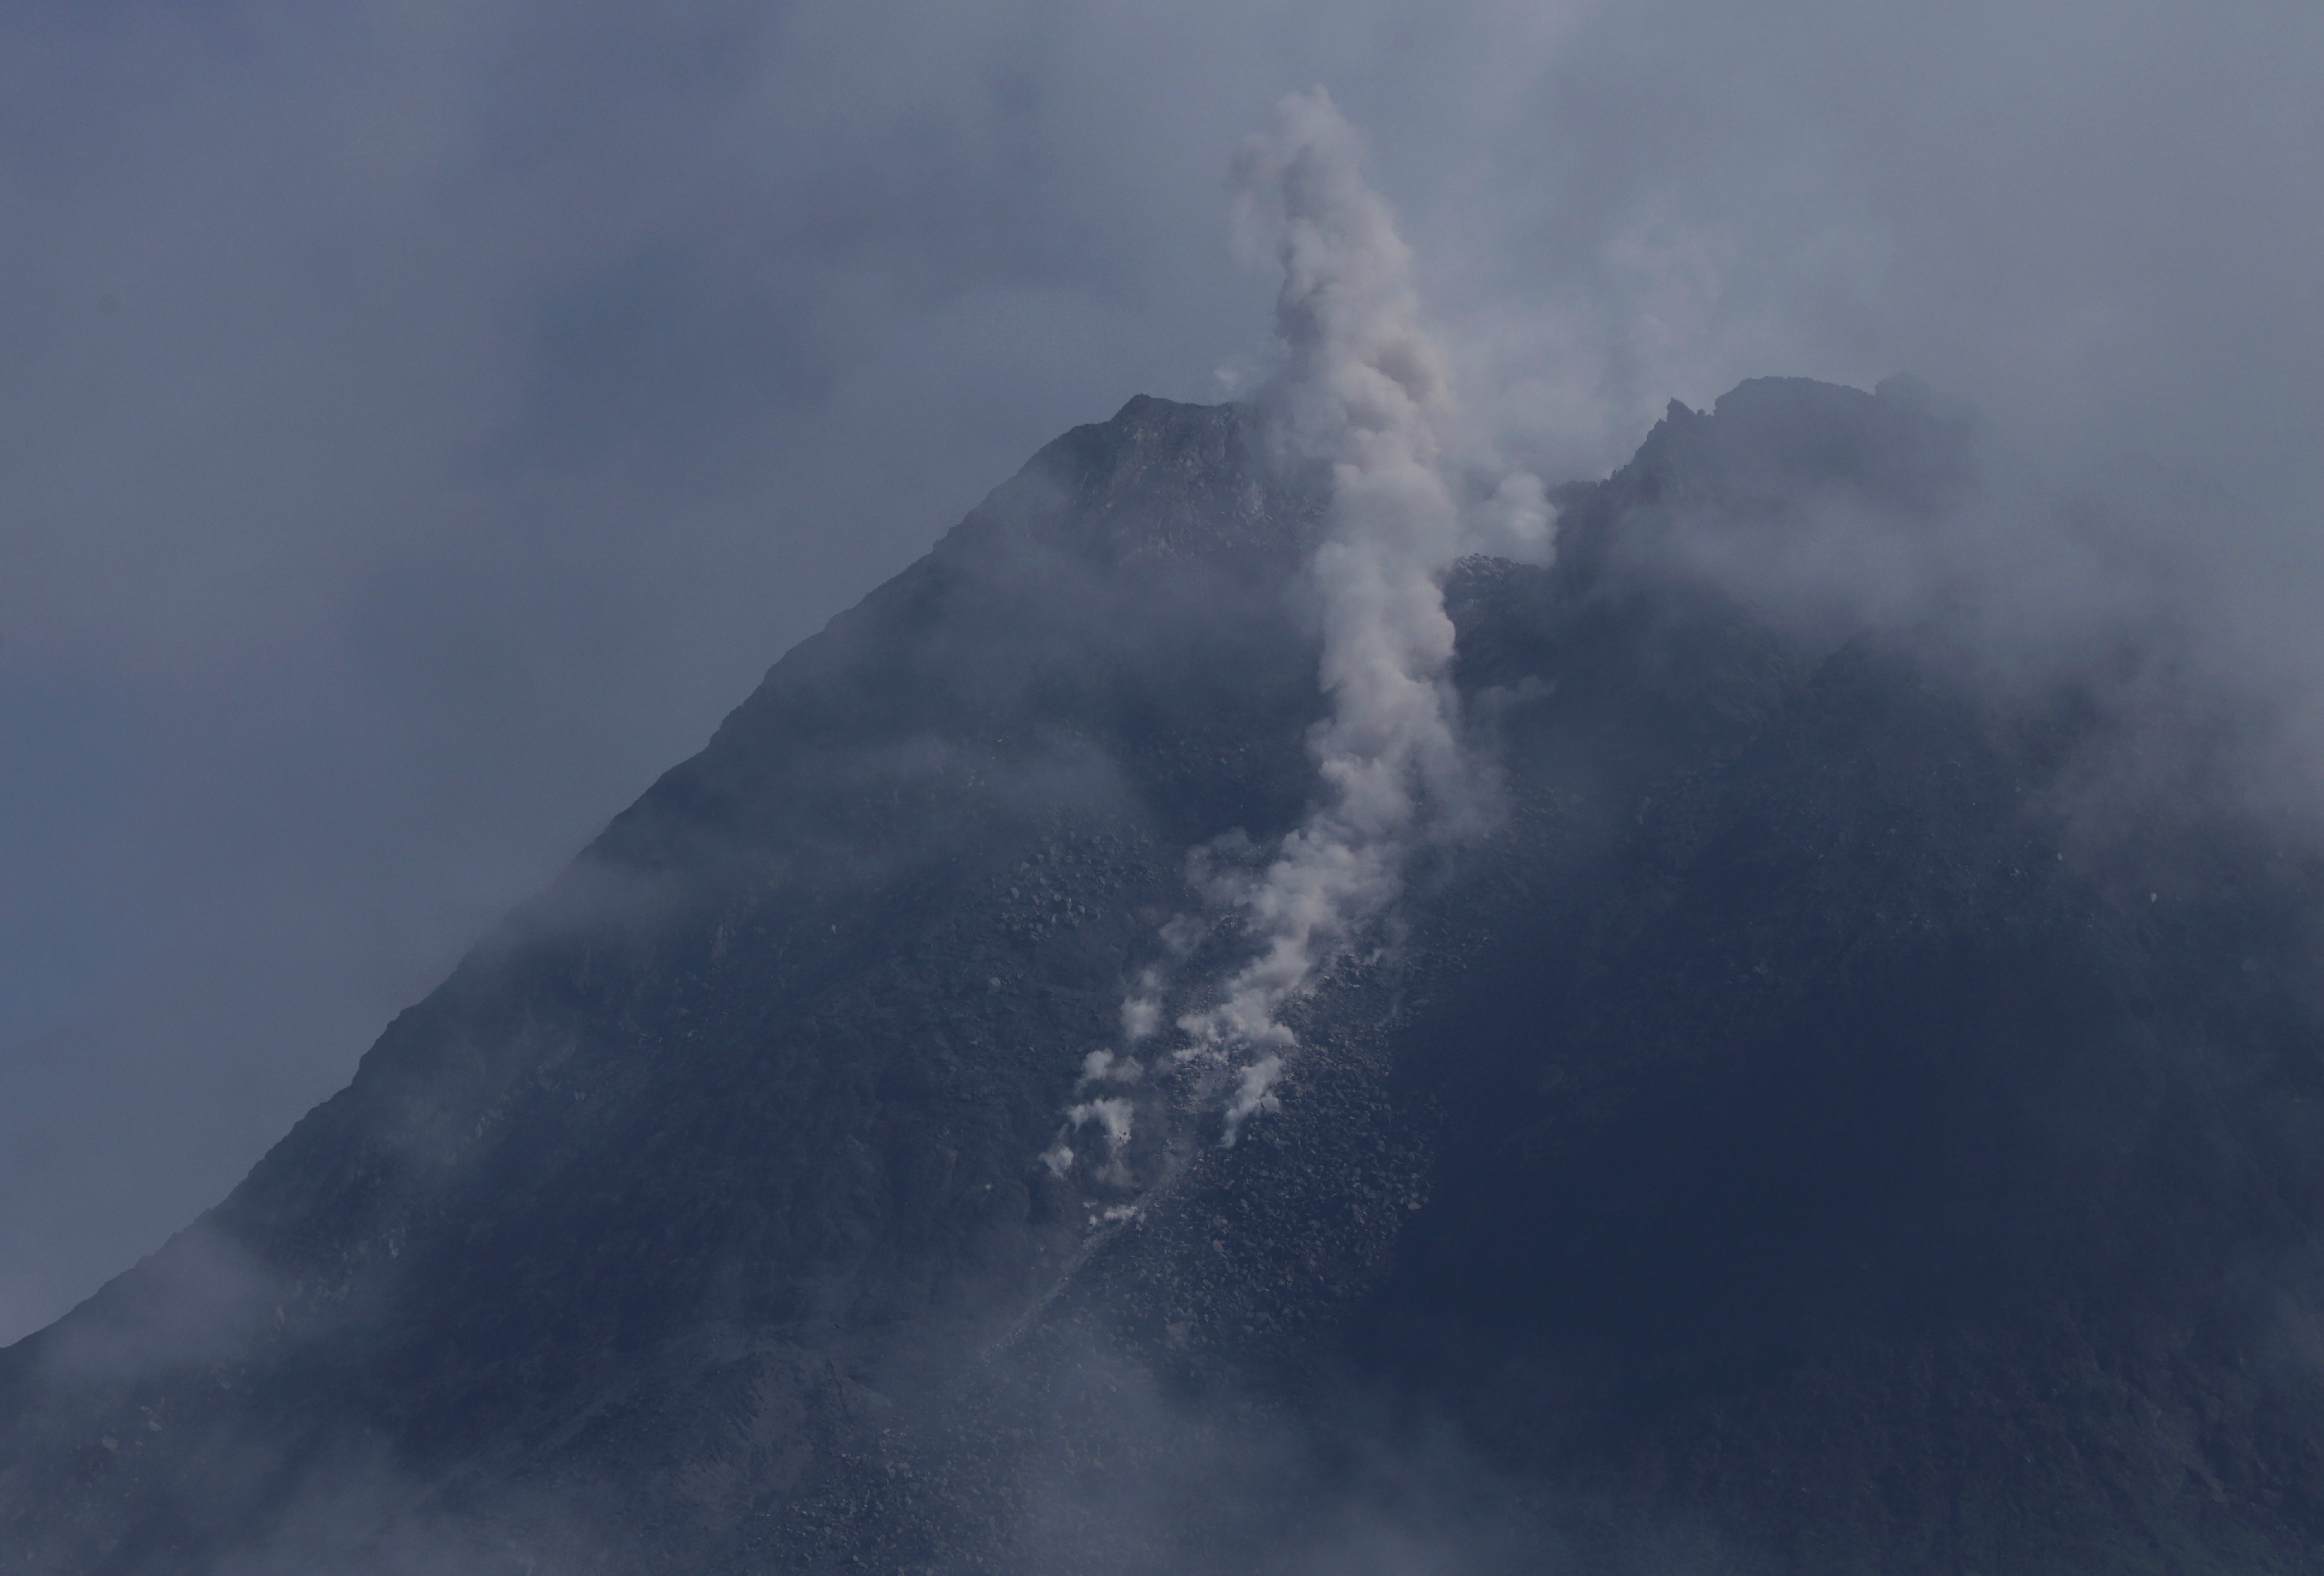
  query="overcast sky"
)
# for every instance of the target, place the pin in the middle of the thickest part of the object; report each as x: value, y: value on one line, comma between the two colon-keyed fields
x: 421, y: 421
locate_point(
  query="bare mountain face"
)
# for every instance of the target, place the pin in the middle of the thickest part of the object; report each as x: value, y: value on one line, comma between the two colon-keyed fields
x: 1784, y: 1142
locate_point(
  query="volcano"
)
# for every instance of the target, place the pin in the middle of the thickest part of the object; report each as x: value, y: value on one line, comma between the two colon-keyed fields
x: 1788, y: 1135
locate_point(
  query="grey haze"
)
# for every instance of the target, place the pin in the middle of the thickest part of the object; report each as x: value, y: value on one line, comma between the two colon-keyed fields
x: 420, y: 421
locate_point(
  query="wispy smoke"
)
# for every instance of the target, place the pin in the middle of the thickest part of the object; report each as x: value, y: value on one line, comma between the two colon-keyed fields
x: 1363, y: 398
x: 1364, y: 392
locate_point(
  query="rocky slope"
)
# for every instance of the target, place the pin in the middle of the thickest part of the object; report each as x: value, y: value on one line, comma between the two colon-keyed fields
x: 1790, y: 1140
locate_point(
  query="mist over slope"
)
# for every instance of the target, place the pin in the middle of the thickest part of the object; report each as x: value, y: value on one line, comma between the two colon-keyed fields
x: 1827, y: 1118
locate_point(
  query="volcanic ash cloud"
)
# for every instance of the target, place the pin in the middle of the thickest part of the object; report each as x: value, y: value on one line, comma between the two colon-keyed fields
x: 1364, y: 392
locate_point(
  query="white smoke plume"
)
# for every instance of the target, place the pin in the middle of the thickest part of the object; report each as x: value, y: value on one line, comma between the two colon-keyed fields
x: 1365, y: 392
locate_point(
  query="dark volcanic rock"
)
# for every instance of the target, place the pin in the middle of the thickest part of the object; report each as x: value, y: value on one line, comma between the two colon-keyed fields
x: 1784, y: 1142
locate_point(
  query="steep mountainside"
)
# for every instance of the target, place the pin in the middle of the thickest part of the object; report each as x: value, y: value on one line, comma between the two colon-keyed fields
x: 1789, y: 1139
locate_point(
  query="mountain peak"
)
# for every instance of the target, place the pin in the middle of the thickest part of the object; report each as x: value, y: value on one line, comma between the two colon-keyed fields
x: 1160, y: 482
